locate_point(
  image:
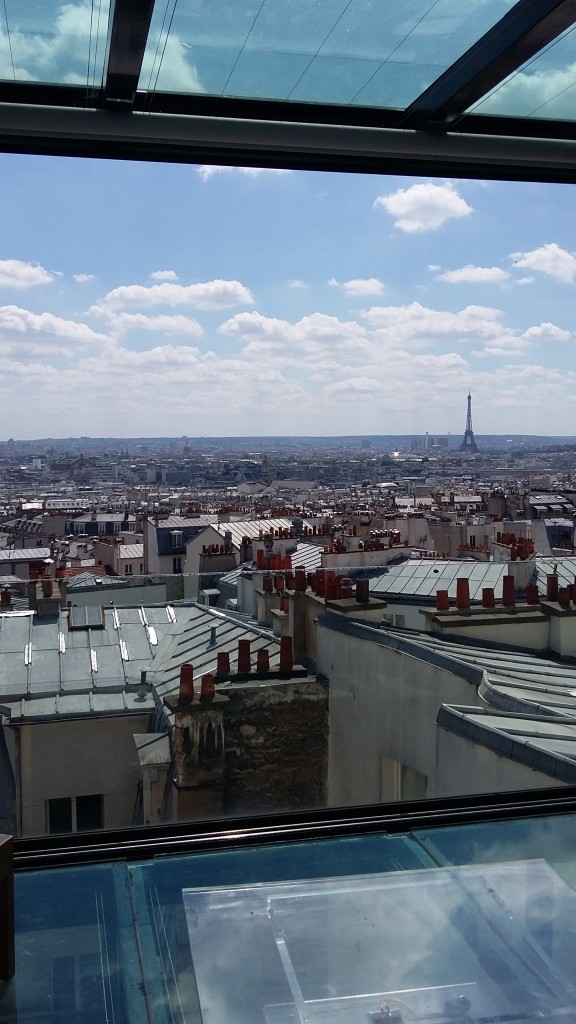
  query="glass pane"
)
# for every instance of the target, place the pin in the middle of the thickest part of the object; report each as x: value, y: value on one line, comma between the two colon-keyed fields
x: 156, y: 890
x: 542, y: 87
x: 328, y: 51
x: 53, y: 41
x: 332, y: 321
x: 76, y: 956
x: 552, y: 837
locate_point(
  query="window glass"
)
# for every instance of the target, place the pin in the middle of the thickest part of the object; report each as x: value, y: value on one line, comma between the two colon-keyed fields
x: 60, y: 815
x: 89, y: 812
x: 342, y: 407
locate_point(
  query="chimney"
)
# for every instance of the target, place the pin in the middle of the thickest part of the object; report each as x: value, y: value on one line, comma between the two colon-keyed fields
x: 300, y: 580
x: 222, y: 664
x: 186, y: 691
x: 363, y: 591
x: 262, y: 661
x: 488, y: 599
x: 463, y: 593
x: 532, y: 595
x: 207, y: 688
x: 286, y: 658
x: 243, y: 656
x: 442, y: 601
x: 552, y: 587
x: 508, y: 591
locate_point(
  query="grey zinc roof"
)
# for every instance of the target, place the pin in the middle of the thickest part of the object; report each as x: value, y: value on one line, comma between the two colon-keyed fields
x: 179, y: 522
x: 422, y: 577
x: 24, y: 554
x: 192, y: 641
x: 514, y: 681
x: 44, y: 658
x: 131, y: 551
x: 305, y: 556
x: 47, y: 669
x: 565, y: 569
x: 251, y: 528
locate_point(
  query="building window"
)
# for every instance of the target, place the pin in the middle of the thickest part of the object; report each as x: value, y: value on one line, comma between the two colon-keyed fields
x: 101, y: 527
x: 400, y: 782
x: 117, y: 527
x: 140, y: 567
x: 128, y: 569
x: 176, y: 565
x: 75, y: 814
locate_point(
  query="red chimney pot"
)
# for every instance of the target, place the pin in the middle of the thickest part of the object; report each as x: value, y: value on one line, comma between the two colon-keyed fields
x: 186, y: 690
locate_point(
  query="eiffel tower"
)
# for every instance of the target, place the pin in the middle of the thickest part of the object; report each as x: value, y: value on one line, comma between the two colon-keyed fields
x: 469, y: 444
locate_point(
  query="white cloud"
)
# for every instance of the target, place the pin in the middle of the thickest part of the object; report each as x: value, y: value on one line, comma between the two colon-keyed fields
x: 418, y: 324
x: 20, y: 322
x: 547, y: 332
x: 423, y: 207
x: 355, y: 385
x: 313, y: 338
x: 207, y: 171
x: 164, y: 275
x: 472, y: 275
x: 208, y: 295
x: 17, y: 274
x: 82, y: 278
x: 549, y: 259
x: 184, y: 325
x: 360, y: 286
x: 296, y: 283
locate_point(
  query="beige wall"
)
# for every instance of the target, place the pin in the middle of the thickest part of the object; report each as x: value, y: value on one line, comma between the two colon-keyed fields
x: 464, y: 767
x: 79, y: 757
x: 382, y: 702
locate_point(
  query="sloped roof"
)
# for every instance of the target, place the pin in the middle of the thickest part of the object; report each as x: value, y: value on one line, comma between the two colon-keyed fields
x: 194, y: 641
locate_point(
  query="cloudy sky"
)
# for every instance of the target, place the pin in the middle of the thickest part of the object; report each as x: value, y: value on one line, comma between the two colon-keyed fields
x: 156, y: 299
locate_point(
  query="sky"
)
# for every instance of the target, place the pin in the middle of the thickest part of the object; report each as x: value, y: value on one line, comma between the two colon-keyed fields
x: 147, y: 299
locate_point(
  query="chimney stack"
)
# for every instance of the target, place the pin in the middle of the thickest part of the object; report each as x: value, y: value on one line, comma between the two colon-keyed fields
x: 508, y: 591
x: 186, y: 691
x: 463, y: 593
x: 244, y: 656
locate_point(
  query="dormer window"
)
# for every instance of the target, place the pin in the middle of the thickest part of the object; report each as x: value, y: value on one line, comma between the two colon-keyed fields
x: 176, y: 538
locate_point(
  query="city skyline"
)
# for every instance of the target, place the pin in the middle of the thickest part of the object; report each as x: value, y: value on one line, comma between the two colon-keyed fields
x: 151, y: 300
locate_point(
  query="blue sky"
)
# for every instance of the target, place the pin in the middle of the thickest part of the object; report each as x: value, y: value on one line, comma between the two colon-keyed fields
x: 146, y: 299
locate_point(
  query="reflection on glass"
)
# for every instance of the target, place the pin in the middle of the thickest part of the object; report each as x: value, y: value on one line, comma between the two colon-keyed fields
x: 359, y: 52
x: 543, y: 87
x: 52, y: 41
x: 445, y: 946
